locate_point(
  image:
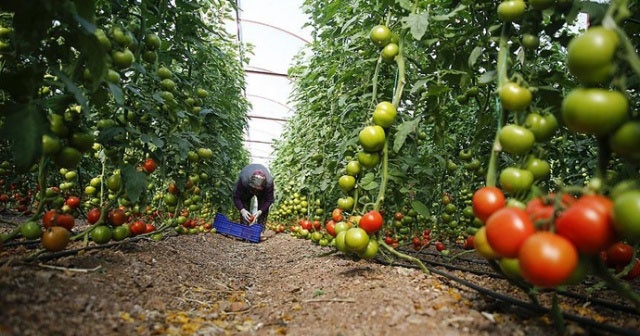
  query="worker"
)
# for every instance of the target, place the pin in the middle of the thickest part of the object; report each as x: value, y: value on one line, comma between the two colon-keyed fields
x: 254, y: 180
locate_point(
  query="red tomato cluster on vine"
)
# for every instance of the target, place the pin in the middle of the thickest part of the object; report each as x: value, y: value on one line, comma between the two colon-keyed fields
x: 550, y: 233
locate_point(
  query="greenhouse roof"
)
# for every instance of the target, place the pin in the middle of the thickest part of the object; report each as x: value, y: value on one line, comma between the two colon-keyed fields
x: 274, y: 30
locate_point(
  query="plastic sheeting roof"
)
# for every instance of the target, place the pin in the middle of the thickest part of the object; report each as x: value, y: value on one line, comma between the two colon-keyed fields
x: 274, y: 29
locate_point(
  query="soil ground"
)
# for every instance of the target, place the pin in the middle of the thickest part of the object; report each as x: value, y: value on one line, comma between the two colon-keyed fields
x: 211, y: 284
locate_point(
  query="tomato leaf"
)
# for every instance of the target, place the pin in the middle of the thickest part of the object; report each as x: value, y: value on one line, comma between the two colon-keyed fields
x: 403, y: 131
x: 23, y: 127
x: 417, y: 23
x: 420, y: 208
x: 451, y: 14
x: 473, y: 57
x: 368, y: 182
x: 134, y: 182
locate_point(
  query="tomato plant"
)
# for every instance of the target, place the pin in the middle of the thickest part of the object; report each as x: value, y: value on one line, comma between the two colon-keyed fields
x: 93, y: 215
x: 380, y: 35
x: 507, y: 229
x: 514, y: 97
x: 590, y: 55
x: 594, y: 111
x: 626, y: 221
x: 587, y: 224
x: 371, y: 222
x: 547, y: 259
x: 101, y: 234
x: 486, y: 201
x: 618, y: 254
x: 55, y: 238
x: 511, y: 10
x: 543, y: 126
x: 515, y: 180
x: 372, y: 138
x: 516, y: 139
x: 149, y: 165
x: 385, y: 113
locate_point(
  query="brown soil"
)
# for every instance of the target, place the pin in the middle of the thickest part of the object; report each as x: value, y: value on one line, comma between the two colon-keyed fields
x: 210, y: 284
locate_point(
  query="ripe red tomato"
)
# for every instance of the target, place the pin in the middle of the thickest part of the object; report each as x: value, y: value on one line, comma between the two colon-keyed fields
x: 371, y: 221
x: 331, y: 228
x: 547, y: 259
x: 634, y: 272
x: 336, y: 215
x: 507, y: 229
x: 67, y: 221
x: 587, y: 224
x: 618, y: 254
x: 73, y: 202
x: 93, y: 215
x: 138, y: 227
x: 49, y: 218
x: 305, y: 224
x: 440, y: 246
x: 149, y: 165
x: 117, y: 217
x: 486, y: 201
x: 149, y: 228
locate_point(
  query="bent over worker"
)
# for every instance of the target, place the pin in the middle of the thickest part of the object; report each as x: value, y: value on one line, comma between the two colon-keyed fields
x: 254, y: 180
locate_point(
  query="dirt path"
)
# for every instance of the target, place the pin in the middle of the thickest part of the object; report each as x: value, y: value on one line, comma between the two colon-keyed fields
x: 210, y: 284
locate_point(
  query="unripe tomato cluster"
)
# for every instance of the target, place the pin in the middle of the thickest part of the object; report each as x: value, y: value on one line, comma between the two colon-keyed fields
x: 384, y: 38
x: 551, y: 241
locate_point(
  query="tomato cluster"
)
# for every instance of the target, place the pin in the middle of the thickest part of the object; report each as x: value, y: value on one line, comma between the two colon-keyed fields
x: 552, y: 234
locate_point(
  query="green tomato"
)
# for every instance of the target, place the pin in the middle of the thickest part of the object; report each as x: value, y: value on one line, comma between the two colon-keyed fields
x: 346, y: 182
x: 542, y: 126
x: 356, y: 239
x: 389, y: 52
x: 514, y: 97
x: 123, y: 59
x: 516, y: 140
x: 625, y: 141
x: 368, y: 160
x: 31, y: 230
x: 510, y: 267
x: 515, y: 179
x: 385, y: 114
x: 370, y: 251
x: 353, y: 168
x: 50, y: 144
x: 590, y: 55
x: 68, y: 157
x: 594, y: 111
x: 511, y: 10
x: 82, y: 141
x: 372, y: 138
x: 346, y: 203
x: 626, y: 221
x: 101, y: 234
x: 380, y: 35
x: 530, y: 41
x: 540, y: 169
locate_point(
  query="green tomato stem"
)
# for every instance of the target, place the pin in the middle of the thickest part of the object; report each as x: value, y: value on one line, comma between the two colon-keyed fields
x: 403, y: 256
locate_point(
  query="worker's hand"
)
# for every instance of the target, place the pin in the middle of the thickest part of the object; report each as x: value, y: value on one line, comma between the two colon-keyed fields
x: 246, y: 216
x: 255, y: 216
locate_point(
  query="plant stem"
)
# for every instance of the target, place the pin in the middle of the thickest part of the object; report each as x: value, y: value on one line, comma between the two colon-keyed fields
x: 404, y: 256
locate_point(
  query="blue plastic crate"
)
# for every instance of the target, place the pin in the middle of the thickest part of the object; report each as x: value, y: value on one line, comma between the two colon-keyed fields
x: 248, y: 232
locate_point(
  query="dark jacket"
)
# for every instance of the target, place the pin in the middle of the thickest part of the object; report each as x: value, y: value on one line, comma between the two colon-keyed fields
x: 242, y: 193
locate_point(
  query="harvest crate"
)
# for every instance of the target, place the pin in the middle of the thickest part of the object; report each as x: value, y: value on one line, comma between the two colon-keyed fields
x: 248, y: 232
